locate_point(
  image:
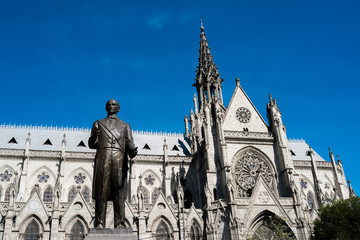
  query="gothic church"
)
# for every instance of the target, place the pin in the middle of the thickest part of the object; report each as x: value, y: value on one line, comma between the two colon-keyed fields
x: 231, y: 175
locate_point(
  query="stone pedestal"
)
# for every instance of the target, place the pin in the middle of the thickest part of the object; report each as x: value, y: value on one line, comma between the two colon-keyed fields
x: 111, y: 234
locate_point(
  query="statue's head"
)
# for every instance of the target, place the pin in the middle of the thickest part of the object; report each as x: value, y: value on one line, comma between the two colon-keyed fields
x: 112, y: 106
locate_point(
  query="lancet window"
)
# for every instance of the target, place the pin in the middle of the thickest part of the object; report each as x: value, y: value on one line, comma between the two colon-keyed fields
x: 71, y: 194
x: 7, y: 194
x: 86, y: 194
x: 48, y: 195
x: 154, y: 195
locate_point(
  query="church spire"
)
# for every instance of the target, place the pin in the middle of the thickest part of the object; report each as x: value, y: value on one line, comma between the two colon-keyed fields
x: 208, y: 81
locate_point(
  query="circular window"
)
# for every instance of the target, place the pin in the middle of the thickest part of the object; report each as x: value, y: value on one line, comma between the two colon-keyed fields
x: 243, y: 115
x: 247, y: 170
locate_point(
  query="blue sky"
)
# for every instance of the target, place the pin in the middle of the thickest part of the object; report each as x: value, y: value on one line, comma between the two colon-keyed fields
x: 61, y: 60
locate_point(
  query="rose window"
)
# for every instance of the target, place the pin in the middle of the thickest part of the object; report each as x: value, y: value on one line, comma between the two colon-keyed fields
x: 247, y: 170
x: 243, y: 115
x: 149, y: 180
x: 43, y: 178
x: 79, y: 179
x: 5, y: 177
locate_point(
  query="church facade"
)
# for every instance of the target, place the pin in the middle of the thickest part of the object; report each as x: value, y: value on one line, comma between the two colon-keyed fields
x: 231, y: 175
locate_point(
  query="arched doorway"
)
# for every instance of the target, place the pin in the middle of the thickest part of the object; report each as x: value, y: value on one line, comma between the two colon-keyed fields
x: 271, y: 226
x: 32, y: 231
x: 77, y: 231
x: 162, y: 231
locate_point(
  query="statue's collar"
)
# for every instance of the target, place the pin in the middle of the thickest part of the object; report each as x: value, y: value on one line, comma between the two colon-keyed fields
x: 112, y: 117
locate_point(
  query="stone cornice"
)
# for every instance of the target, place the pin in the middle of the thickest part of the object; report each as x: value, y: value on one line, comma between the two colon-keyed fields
x: 248, y: 136
x: 319, y: 164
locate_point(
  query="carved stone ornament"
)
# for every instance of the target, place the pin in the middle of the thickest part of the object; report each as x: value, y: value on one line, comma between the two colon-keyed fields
x: 243, y: 115
x: 264, y: 197
x: 247, y: 170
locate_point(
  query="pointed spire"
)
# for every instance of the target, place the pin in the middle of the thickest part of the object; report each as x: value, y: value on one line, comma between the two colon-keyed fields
x: 338, y: 159
x: 27, y: 149
x: 351, y: 190
x: 237, y: 80
x: 208, y: 81
x: 63, y: 147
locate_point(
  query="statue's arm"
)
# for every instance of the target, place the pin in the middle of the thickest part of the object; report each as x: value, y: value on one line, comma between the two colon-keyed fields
x: 93, y: 140
x: 129, y: 143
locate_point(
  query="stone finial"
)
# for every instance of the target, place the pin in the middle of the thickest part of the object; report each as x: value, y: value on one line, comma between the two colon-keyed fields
x: 237, y: 80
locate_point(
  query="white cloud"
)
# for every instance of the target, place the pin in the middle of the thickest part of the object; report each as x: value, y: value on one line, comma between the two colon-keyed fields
x: 158, y: 21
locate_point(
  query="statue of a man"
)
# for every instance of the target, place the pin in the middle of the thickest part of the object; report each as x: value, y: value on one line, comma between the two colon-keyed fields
x: 113, y: 141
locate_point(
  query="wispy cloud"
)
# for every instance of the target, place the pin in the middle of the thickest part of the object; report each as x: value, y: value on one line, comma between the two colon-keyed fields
x: 158, y: 21
x: 185, y: 17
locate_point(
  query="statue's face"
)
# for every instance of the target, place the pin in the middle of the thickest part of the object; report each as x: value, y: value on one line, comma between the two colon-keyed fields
x: 112, y: 106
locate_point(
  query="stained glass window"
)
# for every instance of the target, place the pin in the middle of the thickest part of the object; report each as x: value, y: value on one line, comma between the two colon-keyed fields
x: 48, y: 195
x: 79, y: 179
x: 5, y: 177
x: 86, y: 194
x: 71, y: 194
x: 77, y: 231
x: 154, y: 195
x: 146, y: 195
x: 7, y: 194
x: 303, y: 184
x: 310, y: 199
x: 43, y: 177
x: 149, y: 180
x: 32, y: 231
x: 162, y: 232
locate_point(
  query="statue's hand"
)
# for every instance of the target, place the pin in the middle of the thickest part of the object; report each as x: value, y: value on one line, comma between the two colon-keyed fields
x: 134, y: 153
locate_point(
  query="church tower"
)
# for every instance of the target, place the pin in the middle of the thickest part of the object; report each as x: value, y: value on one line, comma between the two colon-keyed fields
x: 241, y: 165
x: 206, y: 132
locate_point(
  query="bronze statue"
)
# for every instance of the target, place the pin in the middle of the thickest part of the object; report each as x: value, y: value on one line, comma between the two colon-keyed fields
x: 114, y: 142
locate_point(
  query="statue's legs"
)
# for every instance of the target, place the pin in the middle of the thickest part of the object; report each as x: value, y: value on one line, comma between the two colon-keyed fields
x: 118, y: 189
x: 102, y: 185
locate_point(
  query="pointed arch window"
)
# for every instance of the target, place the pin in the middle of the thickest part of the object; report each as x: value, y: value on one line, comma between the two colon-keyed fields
x: 77, y: 231
x: 146, y: 195
x: 162, y: 232
x: 71, y: 194
x: 7, y: 194
x: 48, y: 195
x: 86, y: 194
x: 310, y: 200
x: 154, y: 195
x: 250, y: 164
x: 195, y: 231
x: 32, y: 231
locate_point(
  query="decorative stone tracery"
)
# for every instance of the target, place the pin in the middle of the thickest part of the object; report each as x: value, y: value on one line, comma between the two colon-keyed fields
x: 243, y: 115
x: 249, y: 166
